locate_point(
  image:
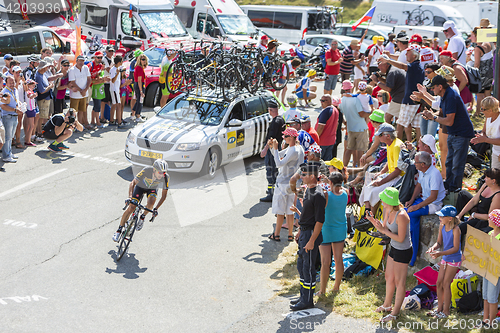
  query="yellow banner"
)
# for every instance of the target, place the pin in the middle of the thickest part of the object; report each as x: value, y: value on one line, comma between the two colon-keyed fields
x: 482, y: 254
x: 368, y: 249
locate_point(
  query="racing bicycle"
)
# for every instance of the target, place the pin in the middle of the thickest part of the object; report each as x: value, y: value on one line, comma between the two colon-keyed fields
x: 129, y: 229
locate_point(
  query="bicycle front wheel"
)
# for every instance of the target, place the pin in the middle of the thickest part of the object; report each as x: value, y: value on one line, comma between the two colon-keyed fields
x: 427, y: 17
x: 126, y: 238
x: 175, y: 77
x: 231, y: 85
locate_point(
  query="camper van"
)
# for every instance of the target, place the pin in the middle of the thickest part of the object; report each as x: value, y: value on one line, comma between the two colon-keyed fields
x: 474, y: 11
x: 417, y: 13
x: 152, y: 20
x: 215, y: 18
x: 287, y: 23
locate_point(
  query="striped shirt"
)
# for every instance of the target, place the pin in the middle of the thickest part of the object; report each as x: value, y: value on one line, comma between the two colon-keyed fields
x: 346, y: 66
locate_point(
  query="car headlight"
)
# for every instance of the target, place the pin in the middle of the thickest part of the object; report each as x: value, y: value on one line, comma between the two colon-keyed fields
x: 188, y: 146
x: 131, y: 137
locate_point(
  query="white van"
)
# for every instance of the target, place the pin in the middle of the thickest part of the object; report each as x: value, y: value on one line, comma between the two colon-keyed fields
x: 220, y: 18
x: 425, y: 13
x: 474, y: 11
x: 152, y: 20
x: 21, y: 44
x: 287, y: 23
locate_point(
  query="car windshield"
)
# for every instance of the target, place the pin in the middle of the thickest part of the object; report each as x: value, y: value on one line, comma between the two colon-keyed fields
x: 164, y: 24
x: 461, y: 23
x: 155, y: 56
x: 194, y: 110
x: 236, y: 24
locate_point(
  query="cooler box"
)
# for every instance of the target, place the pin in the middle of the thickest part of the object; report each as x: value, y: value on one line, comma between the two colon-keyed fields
x: 427, y: 276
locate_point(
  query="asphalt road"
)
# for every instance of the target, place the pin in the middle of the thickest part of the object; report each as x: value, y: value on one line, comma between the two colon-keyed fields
x: 204, y: 265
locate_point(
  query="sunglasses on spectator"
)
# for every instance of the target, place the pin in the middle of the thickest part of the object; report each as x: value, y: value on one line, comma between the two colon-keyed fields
x: 322, y: 100
x: 286, y: 136
x: 429, y: 72
x: 380, y: 95
x: 98, y: 57
x: 65, y: 65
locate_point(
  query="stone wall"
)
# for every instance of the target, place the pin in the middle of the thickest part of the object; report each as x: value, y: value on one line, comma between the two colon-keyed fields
x: 429, y: 228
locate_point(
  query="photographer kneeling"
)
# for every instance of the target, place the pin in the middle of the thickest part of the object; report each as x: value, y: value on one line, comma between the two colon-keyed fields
x: 59, y: 128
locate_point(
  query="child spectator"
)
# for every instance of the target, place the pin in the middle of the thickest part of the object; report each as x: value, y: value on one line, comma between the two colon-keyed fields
x: 369, y: 91
x: 449, y: 240
x: 7, y: 58
x: 114, y: 89
x: 365, y: 99
x: 124, y: 83
x: 490, y: 290
x: 29, y: 97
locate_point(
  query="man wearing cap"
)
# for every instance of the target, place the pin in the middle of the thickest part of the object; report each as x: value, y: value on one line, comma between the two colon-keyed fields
x: 30, y: 71
x: 309, y: 236
x: 460, y: 131
x: 96, y: 69
x: 375, y: 183
x: 264, y: 40
x: 306, y: 126
x: 332, y: 69
x: 427, y: 197
x: 357, y: 130
x: 7, y: 58
x: 304, y: 90
x: 292, y: 112
x: 108, y: 63
x: 287, y: 161
x: 44, y: 90
x: 414, y: 75
x: 79, y: 84
x: 326, y: 127
x: 137, y: 53
x: 274, y: 131
x: 10, y: 106
x: 375, y: 52
x: 402, y: 44
x: 393, y: 80
x: 426, y: 54
x: 456, y: 43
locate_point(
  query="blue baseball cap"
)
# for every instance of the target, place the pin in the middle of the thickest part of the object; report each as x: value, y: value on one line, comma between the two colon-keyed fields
x: 8, y: 56
x: 447, y: 211
x: 305, y: 118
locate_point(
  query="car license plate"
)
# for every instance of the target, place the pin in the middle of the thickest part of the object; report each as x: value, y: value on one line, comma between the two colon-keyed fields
x: 151, y: 155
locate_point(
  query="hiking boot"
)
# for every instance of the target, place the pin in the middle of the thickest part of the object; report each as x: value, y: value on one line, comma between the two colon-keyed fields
x: 55, y: 148
x: 268, y: 198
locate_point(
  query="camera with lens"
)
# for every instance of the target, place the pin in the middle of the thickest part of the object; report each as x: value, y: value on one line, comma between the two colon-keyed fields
x: 71, y: 116
x: 380, y: 75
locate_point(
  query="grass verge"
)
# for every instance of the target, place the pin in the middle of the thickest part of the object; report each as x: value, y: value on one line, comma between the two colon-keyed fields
x: 360, y: 296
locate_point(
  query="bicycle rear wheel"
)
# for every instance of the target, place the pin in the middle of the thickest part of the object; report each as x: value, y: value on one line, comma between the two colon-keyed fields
x: 253, y: 73
x: 126, y: 238
x: 231, y: 85
x: 175, y: 77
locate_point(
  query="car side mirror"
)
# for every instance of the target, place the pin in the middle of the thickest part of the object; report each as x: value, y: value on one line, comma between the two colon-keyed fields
x: 235, y: 123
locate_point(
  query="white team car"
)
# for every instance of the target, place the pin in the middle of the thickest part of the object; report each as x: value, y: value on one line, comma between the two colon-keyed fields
x: 199, y: 134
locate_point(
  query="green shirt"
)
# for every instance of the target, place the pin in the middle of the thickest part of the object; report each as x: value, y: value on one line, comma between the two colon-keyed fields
x: 98, y: 89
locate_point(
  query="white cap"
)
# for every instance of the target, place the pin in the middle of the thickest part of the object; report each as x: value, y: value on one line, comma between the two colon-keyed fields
x: 430, y: 141
x: 449, y: 24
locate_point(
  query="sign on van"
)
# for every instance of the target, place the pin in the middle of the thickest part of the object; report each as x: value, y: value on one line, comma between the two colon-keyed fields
x: 487, y: 35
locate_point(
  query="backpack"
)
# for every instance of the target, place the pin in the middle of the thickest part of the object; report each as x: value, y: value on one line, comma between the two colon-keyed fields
x: 368, y: 50
x: 33, y: 73
x: 354, y: 269
x: 475, y: 84
x: 471, y: 302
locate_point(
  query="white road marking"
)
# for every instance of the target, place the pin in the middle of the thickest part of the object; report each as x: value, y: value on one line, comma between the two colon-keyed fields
x: 31, y: 182
x: 115, y: 152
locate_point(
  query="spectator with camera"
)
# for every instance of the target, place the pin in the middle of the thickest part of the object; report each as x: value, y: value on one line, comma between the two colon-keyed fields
x: 60, y: 127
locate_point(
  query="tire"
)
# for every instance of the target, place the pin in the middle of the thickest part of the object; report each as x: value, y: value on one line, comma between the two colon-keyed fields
x: 211, y: 163
x: 231, y: 85
x: 427, y: 17
x: 254, y: 76
x: 153, y: 93
x: 277, y: 73
x: 125, y: 240
x: 175, y: 78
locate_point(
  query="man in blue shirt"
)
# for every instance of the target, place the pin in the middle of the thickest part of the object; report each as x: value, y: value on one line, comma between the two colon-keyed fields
x: 460, y: 131
x: 408, y: 117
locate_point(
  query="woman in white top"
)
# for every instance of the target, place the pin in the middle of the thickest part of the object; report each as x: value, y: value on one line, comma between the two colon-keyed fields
x: 491, y: 129
x: 483, y: 60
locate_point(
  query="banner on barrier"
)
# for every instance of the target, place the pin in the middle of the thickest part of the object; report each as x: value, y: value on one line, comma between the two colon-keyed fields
x: 482, y: 254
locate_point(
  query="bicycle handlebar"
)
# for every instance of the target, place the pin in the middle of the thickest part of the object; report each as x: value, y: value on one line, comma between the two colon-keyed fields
x: 128, y: 201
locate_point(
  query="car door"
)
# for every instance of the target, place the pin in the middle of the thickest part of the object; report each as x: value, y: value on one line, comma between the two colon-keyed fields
x: 256, y: 124
x: 234, y: 137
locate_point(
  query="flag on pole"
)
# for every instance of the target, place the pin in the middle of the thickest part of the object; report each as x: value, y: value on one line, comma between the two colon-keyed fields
x: 78, y: 26
x: 304, y: 33
x: 367, y: 17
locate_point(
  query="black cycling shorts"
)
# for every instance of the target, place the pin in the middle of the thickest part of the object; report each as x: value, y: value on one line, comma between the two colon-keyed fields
x: 139, y: 192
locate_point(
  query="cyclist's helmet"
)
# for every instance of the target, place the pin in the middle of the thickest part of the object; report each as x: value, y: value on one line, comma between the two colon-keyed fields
x: 161, y: 165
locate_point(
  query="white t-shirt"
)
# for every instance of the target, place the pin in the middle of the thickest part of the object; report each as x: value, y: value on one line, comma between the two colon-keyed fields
x: 116, y: 85
x: 80, y: 78
x: 375, y: 52
x: 493, y: 132
x: 402, y: 56
x: 384, y: 107
x: 366, y: 100
x: 390, y: 47
x: 291, y: 114
x: 107, y: 63
x: 457, y: 45
x: 427, y: 56
x: 262, y: 47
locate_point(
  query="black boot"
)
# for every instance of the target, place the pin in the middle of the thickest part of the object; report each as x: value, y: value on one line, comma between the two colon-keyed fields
x: 269, y: 196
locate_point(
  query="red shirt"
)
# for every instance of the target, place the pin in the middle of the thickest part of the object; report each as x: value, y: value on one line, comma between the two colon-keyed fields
x: 371, y: 131
x: 330, y: 118
x: 375, y: 93
x: 139, y: 72
x: 334, y: 56
x: 312, y: 132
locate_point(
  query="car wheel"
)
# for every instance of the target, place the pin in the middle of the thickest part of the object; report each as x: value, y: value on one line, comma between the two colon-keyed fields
x: 211, y: 163
x: 152, y: 95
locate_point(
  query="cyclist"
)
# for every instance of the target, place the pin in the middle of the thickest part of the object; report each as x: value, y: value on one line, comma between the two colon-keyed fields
x: 148, y: 180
